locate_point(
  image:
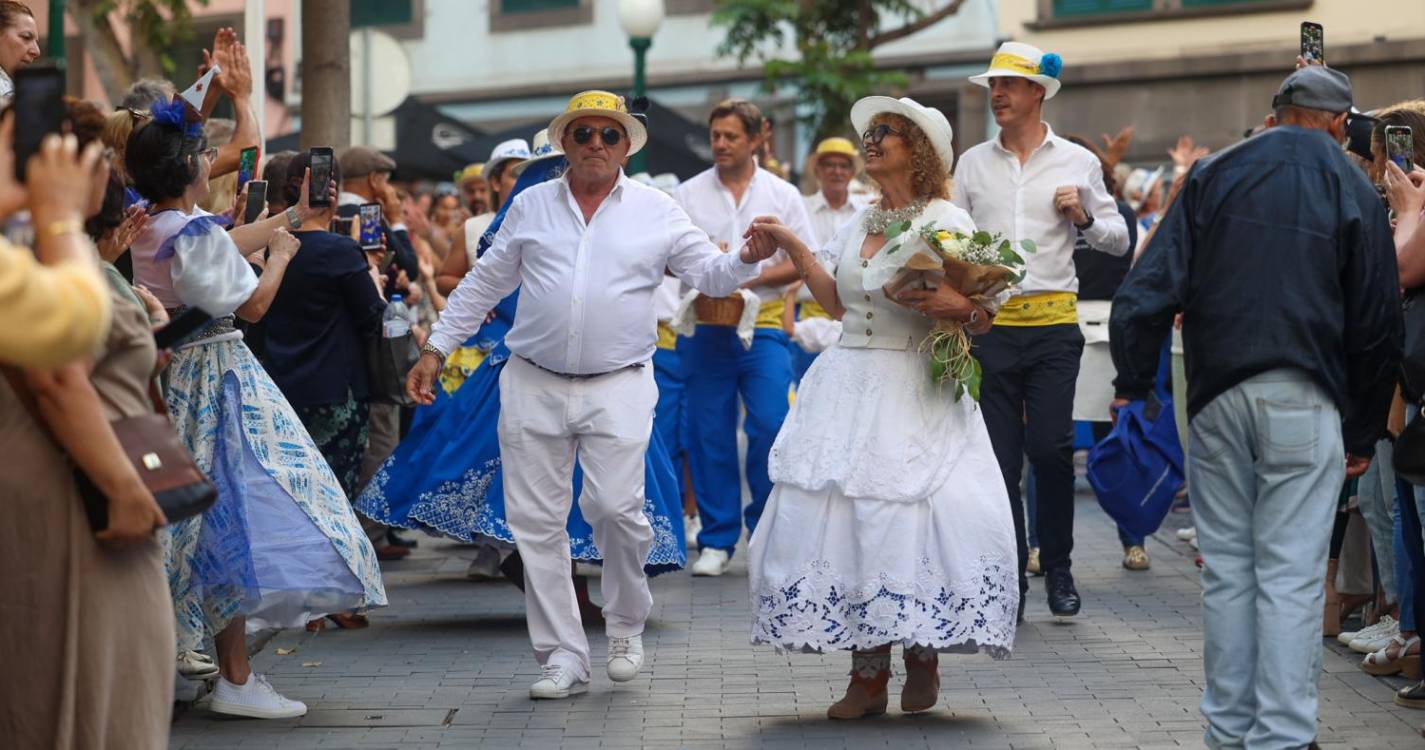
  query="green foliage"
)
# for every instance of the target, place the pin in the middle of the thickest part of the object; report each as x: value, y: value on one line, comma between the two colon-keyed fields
x: 157, y: 25
x: 833, y: 65
x: 896, y: 229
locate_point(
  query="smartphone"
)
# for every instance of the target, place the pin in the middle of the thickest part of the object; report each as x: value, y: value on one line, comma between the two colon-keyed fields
x: 1313, y: 42
x: 38, y: 108
x: 317, y: 192
x: 256, y: 200
x: 247, y: 166
x: 180, y: 329
x: 370, y: 226
x: 1400, y: 146
x: 343, y: 225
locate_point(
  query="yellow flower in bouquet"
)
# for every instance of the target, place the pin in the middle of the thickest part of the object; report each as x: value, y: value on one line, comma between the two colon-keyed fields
x: 979, y: 265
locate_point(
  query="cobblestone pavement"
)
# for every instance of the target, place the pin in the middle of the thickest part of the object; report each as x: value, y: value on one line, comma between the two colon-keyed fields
x: 448, y: 665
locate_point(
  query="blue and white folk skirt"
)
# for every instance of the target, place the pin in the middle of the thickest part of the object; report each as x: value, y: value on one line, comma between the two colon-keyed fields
x: 445, y: 478
x: 281, y: 545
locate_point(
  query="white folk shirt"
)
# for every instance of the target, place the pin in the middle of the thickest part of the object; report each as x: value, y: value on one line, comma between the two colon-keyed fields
x: 825, y: 220
x: 586, y: 289
x: 1017, y: 201
x: 712, y: 208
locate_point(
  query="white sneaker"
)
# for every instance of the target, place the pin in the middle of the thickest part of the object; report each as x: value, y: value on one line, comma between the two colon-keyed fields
x: 1186, y: 533
x: 257, y: 699
x: 196, y: 665
x: 692, y: 526
x: 1376, y: 641
x: 485, y: 566
x: 712, y: 562
x: 1386, y: 622
x: 558, y: 681
x: 625, y: 658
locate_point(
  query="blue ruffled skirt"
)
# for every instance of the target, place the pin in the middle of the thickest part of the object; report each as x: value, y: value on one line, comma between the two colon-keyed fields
x: 445, y: 478
x: 281, y: 545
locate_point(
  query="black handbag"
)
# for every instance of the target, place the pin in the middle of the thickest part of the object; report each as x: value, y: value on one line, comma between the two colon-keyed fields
x: 158, y: 455
x: 388, y: 361
x: 1408, y: 459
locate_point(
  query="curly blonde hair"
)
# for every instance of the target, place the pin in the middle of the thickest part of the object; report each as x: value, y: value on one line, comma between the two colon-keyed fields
x: 929, y: 175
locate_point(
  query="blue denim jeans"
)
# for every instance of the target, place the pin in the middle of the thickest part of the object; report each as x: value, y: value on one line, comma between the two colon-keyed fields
x: 1376, y: 494
x: 1266, y: 471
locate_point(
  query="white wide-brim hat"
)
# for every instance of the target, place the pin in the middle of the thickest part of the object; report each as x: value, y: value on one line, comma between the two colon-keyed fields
x: 514, y: 148
x: 930, y: 120
x: 543, y: 150
x: 1019, y: 60
x: 599, y: 104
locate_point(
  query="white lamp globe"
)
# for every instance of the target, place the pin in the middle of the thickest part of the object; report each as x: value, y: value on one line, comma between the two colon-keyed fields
x: 640, y: 18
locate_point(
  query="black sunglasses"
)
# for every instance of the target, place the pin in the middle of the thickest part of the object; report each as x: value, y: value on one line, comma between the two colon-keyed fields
x: 610, y: 136
x: 874, y: 135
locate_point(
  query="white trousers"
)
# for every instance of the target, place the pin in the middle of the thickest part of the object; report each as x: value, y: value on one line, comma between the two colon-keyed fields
x: 545, y: 422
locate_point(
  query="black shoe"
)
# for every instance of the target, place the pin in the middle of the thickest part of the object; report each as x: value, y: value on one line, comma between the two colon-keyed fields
x: 1063, y: 597
x: 399, y: 541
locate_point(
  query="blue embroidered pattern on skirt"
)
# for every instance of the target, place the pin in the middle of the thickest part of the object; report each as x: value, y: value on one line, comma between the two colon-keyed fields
x: 818, y: 611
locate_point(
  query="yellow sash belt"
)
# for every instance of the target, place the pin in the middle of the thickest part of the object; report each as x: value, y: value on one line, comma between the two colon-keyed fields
x: 666, y: 338
x: 769, y: 315
x: 1047, y: 309
x: 812, y: 309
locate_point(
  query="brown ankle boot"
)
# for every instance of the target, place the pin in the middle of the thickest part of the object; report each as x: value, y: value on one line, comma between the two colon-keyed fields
x: 922, y: 679
x: 866, y: 695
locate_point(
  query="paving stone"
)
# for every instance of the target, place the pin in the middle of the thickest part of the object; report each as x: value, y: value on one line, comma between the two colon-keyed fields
x: 449, y: 666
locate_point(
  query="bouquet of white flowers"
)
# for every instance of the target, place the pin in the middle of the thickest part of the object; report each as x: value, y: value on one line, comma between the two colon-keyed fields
x: 978, y: 265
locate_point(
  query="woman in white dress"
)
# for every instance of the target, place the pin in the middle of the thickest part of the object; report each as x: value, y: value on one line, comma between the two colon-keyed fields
x: 889, y: 522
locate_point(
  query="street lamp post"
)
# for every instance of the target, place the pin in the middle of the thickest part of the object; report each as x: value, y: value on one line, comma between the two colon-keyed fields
x: 640, y: 20
x: 56, y: 31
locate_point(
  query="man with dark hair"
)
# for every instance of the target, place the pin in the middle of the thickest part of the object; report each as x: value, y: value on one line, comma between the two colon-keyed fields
x: 1030, y: 184
x: 723, y: 361
x: 1278, y: 254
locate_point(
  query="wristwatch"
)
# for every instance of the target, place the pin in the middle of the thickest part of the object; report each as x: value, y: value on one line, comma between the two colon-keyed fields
x: 1084, y: 226
x: 292, y: 220
x: 427, y: 348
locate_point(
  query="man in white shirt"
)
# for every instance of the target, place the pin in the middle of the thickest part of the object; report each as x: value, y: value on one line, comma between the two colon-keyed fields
x: 1029, y: 184
x: 587, y: 252
x: 723, y: 201
x: 835, y: 162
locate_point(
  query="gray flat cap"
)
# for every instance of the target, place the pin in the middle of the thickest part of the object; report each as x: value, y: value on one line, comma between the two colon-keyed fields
x: 1315, y: 87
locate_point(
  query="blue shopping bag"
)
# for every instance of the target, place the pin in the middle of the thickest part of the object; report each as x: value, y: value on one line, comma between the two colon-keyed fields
x: 1138, y: 469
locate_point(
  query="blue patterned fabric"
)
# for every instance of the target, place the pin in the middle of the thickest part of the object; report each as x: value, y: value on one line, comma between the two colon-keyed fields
x: 445, y: 478
x: 281, y: 544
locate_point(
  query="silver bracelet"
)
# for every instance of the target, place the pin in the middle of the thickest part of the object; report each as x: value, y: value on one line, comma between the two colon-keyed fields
x: 428, y: 348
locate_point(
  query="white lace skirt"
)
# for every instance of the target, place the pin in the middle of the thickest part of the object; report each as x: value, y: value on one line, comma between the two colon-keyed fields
x: 834, y: 571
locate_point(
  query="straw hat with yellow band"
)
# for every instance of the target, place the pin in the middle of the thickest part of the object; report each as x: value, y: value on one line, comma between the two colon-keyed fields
x: 1019, y: 60
x: 474, y: 171
x: 599, y: 104
x: 836, y: 146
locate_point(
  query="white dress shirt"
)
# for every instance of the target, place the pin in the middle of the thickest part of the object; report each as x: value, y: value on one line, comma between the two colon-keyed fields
x: 825, y: 220
x: 710, y: 205
x: 1017, y: 201
x: 586, y: 289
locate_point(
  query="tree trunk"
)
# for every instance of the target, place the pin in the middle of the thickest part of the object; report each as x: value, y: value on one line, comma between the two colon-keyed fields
x: 326, y: 73
x: 115, y: 71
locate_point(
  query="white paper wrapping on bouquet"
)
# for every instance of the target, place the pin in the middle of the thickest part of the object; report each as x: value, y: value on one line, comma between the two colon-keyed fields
x: 685, y: 321
x: 891, y: 258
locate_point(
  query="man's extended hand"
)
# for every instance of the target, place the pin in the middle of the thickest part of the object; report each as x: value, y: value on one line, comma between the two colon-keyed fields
x: 1356, y: 466
x: 421, y: 380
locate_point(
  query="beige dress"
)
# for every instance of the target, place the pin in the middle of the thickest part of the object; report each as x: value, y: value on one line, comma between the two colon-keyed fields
x: 86, y: 633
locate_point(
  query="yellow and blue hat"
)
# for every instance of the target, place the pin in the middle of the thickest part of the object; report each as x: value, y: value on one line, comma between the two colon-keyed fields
x: 599, y: 104
x: 1019, y: 60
